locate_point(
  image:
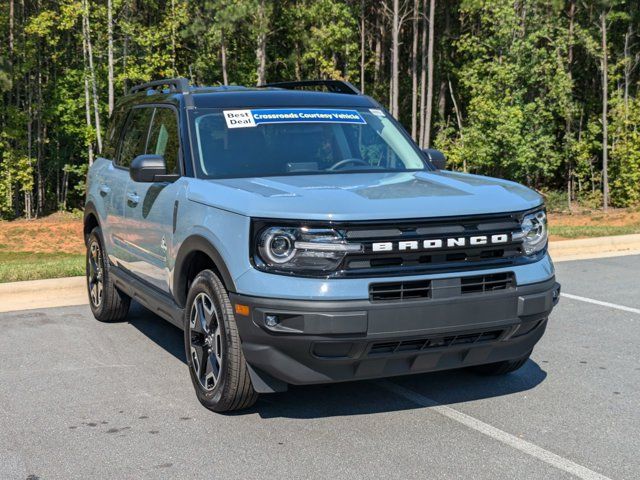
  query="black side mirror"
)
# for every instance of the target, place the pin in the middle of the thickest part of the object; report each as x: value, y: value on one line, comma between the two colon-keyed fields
x: 149, y: 169
x: 436, y: 157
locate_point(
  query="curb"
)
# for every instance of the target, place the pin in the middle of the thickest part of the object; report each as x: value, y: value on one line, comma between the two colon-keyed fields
x: 598, y: 247
x: 55, y: 292
x: 38, y: 285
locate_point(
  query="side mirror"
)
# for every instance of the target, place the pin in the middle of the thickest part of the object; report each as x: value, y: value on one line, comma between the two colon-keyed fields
x: 149, y: 169
x: 436, y: 157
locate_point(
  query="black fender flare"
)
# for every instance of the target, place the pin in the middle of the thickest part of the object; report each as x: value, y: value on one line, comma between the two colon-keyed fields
x: 89, y: 211
x: 193, y: 244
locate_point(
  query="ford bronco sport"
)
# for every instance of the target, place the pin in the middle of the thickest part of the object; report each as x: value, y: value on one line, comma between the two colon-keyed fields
x: 302, y: 237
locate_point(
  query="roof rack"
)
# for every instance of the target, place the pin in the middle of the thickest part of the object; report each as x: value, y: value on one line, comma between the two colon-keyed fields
x: 179, y: 85
x: 334, y: 86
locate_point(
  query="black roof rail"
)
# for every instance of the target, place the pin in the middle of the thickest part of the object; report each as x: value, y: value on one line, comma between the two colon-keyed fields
x: 334, y: 86
x: 179, y: 85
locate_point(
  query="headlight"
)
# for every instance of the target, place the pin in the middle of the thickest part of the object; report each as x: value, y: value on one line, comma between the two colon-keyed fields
x: 297, y: 249
x: 533, y: 232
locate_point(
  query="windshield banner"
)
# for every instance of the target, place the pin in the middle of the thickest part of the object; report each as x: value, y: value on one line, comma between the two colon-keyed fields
x: 253, y: 118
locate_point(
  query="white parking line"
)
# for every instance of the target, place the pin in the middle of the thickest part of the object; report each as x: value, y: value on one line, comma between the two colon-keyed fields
x: 602, y: 304
x: 493, y: 432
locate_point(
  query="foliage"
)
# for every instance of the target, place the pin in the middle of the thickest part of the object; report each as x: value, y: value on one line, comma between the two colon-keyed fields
x: 526, y: 78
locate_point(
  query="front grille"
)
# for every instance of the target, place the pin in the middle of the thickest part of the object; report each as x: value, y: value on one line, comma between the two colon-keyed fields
x: 409, y: 261
x: 379, y: 292
x: 487, y: 283
x: 421, y: 344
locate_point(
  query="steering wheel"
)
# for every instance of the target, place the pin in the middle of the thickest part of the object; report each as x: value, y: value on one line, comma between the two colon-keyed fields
x: 347, y: 161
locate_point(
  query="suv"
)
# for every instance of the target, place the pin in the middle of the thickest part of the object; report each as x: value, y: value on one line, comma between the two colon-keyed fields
x: 301, y: 237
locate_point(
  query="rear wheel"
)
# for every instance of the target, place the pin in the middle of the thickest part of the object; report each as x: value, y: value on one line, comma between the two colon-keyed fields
x: 107, y: 303
x: 501, y: 368
x: 217, y: 366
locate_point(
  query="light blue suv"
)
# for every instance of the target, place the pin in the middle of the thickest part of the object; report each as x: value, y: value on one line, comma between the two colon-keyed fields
x: 302, y: 237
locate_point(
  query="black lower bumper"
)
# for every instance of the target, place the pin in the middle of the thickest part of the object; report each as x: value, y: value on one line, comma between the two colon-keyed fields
x: 305, y: 342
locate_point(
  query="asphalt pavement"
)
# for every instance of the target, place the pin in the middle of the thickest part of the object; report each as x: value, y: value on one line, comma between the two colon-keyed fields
x: 81, y: 399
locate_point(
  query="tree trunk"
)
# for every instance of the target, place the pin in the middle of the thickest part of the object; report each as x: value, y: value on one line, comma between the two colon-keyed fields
x: 173, y: 38
x: 223, y: 58
x: 459, y: 121
x: 423, y: 70
x: 429, y: 101
x: 362, y: 44
x: 110, y: 54
x: 261, y: 50
x: 378, y: 51
x: 414, y: 70
x: 605, y: 102
x: 92, y: 75
x: 627, y: 68
x: 395, y: 59
x: 87, y: 97
x: 568, y: 120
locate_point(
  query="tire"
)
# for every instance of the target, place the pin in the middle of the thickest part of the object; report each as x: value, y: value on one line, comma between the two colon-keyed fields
x: 216, y: 363
x: 501, y: 368
x: 107, y: 303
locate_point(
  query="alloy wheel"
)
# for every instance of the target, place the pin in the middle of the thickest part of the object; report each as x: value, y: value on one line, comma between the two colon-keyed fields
x: 95, y: 274
x: 205, y: 341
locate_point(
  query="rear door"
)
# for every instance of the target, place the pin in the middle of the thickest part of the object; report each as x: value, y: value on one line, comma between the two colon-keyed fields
x: 149, y: 208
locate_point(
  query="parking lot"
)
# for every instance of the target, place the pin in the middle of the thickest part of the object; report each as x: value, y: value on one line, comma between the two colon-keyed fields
x: 80, y: 399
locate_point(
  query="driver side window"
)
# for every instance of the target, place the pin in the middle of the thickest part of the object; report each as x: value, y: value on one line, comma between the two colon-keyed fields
x: 134, y: 141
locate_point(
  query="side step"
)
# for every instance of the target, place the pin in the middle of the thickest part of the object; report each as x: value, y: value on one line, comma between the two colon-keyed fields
x: 156, y: 301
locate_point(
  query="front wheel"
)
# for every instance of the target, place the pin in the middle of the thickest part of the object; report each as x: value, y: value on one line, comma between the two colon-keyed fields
x: 217, y: 366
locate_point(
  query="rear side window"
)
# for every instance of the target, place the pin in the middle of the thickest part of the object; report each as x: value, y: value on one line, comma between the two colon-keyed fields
x: 113, y: 133
x: 163, y: 138
x: 134, y: 140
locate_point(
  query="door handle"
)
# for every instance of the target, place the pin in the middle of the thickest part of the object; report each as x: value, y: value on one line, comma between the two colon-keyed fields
x: 104, y: 189
x: 133, y: 198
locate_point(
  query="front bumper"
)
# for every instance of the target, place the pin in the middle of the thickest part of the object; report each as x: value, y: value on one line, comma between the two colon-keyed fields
x: 319, y: 341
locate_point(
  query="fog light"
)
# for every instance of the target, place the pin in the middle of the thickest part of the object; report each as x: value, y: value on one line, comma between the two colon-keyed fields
x: 271, y: 320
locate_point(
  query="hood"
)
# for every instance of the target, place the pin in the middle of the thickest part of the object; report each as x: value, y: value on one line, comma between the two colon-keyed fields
x: 364, y: 196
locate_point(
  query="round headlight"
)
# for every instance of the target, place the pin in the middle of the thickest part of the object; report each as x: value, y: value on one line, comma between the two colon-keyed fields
x: 277, y: 246
x: 534, y: 232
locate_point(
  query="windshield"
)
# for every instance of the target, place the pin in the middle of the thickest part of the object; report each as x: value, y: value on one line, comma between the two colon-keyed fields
x: 298, y: 141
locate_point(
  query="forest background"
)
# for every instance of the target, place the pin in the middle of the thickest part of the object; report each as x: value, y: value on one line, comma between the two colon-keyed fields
x: 540, y: 92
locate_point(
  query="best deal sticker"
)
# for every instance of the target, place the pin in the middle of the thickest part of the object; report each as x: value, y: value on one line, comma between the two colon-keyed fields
x: 239, y: 118
x: 252, y: 118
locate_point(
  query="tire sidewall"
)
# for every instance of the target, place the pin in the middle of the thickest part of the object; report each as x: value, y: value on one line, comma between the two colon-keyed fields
x: 207, y: 282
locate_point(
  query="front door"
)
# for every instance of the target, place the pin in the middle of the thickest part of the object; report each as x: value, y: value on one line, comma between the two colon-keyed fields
x: 133, y: 143
x: 149, y: 207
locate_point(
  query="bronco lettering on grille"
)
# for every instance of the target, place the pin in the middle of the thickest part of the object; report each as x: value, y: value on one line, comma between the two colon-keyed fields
x: 438, y: 243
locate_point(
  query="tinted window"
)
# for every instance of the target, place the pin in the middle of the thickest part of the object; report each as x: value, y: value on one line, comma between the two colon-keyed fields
x: 163, y: 138
x: 113, y: 133
x: 135, y: 136
x: 300, y: 142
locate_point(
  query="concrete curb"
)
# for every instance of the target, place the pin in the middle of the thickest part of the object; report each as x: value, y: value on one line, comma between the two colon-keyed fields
x: 55, y: 292
x: 599, y: 247
x: 59, y: 292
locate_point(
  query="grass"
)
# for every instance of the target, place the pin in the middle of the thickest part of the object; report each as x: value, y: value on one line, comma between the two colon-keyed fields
x: 17, y: 266
x: 583, y: 231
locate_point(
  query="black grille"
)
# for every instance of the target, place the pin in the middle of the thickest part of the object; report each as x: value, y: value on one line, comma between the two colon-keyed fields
x: 379, y: 292
x: 487, y: 283
x: 423, y: 260
x: 421, y: 344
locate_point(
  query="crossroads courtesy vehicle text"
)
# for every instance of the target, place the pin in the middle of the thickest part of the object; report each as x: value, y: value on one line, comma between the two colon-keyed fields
x: 301, y: 237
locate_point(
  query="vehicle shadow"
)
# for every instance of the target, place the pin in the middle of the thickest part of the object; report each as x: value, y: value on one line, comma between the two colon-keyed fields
x: 356, y: 398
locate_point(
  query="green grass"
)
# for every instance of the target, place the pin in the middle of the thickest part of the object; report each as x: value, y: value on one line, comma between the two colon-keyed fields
x: 592, y: 230
x: 17, y: 266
